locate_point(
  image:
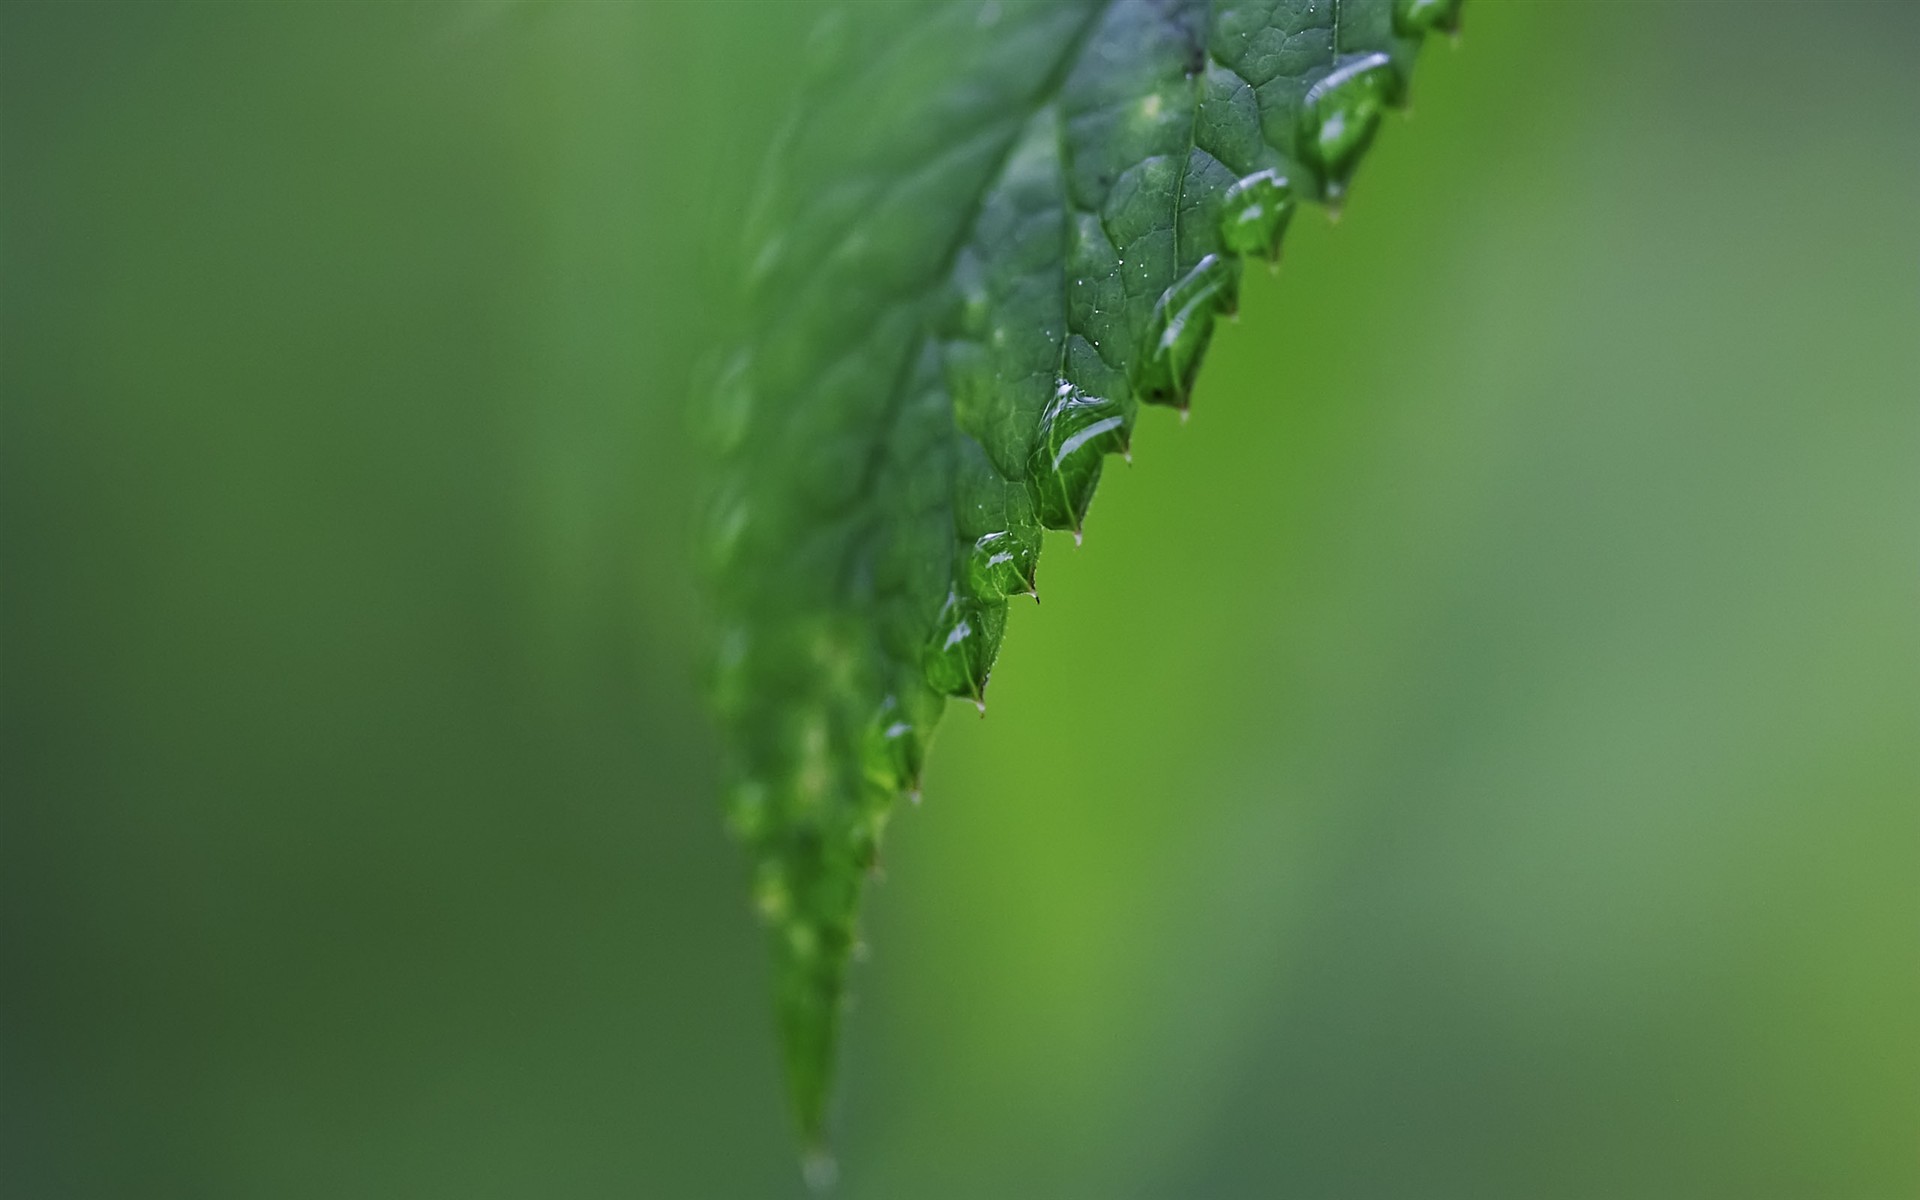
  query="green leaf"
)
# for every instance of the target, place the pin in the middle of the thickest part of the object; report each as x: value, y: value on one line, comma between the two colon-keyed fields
x: 988, y: 234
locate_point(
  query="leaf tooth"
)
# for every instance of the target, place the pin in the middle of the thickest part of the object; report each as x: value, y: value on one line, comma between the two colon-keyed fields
x: 960, y: 650
x: 1003, y: 563
x: 1180, y: 328
x: 1077, y: 430
x: 1254, y: 214
x: 1341, y: 112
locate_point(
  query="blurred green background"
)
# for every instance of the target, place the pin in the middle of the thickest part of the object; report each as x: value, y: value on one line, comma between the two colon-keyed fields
x: 1478, y: 757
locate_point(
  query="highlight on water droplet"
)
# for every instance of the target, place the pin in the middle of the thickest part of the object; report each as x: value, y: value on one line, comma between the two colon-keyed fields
x: 1077, y: 430
x: 1412, y: 18
x: 1254, y: 214
x: 1180, y: 328
x: 1003, y: 564
x: 893, y: 750
x: 961, y: 648
x: 1341, y: 112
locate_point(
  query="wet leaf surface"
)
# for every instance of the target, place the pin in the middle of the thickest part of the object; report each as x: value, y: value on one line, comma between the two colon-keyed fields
x: 988, y: 235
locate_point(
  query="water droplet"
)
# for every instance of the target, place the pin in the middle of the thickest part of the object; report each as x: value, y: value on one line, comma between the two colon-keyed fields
x: 1003, y: 564
x: 1181, y: 326
x: 960, y: 652
x: 893, y: 750
x: 1254, y: 214
x: 1412, y: 18
x: 1075, y: 432
x: 1342, y: 111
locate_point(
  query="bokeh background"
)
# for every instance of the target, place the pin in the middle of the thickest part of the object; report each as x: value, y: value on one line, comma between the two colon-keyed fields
x: 1478, y: 757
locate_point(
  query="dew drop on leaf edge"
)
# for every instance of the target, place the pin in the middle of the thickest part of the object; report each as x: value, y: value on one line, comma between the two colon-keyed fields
x: 894, y: 750
x: 1180, y: 328
x: 1254, y: 214
x: 961, y: 649
x: 1341, y: 112
x: 1002, y: 564
x: 1077, y: 431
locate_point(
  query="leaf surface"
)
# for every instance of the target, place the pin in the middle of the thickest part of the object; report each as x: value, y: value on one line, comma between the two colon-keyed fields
x: 987, y: 235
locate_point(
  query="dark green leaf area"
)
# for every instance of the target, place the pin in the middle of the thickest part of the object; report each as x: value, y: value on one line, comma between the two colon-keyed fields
x: 988, y: 234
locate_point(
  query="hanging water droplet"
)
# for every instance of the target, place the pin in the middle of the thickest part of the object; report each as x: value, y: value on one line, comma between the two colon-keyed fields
x: 1075, y: 432
x: 960, y: 652
x: 1003, y: 564
x: 1342, y: 111
x: 1254, y: 213
x: 1412, y: 18
x: 1181, y: 326
x: 893, y: 749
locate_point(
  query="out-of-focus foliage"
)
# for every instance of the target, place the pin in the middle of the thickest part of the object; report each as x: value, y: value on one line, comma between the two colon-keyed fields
x: 1481, y: 761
